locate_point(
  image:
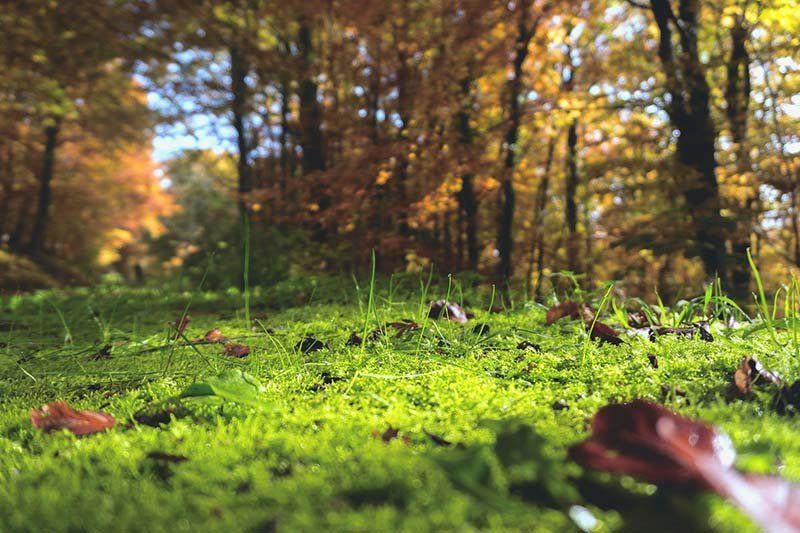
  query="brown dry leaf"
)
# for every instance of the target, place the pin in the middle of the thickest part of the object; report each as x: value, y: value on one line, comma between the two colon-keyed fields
x: 572, y: 309
x: 236, y: 350
x: 651, y: 443
x: 751, y: 370
x: 310, y: 344
x: 689, y: 332
x: 604, y: 332
x: 403, y: 326
x: 180, y: 325
x: 59, y: 415
x: 389, y: 435
x: 214, y: 336
x: 448, y: 310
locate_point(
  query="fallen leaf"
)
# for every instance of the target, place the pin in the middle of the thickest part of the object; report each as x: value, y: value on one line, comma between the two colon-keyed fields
x: 604, y: 332
x: 481, y: 329
x: 749, y: 371
x: 327, y: 379
x: 233, y: 385
x: 59, y: 415
x: 560, y: 405
x: 354, y: 340
x: 638, y: 320
x: 236, y: 350
x: 651, y: 443
x: 689, y: 332
x: 180, y: 325
x: 101, y: 354
x: 214, y: 336
x: 572, y: 309
x: 403, y: 326
x: 497, y: 309
x: 787, y: 399
x: 653, y: 360
x: 448, y: 310
x: 389, y: 435
x: 528, y: 345
x: 310, y: 344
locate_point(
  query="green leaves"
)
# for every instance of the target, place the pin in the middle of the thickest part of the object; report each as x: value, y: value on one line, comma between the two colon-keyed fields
x: 232, y: 385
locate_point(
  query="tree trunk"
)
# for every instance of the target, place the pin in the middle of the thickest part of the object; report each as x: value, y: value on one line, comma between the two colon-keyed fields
x: 239, y: 71
x: 8, y: 188
x: 570, y: 193
x: 401, y: 159
x: 45, y: 192
x: 537, y: 238
x: 287, y: 151
x: 689, y: 111
x: 312, y: 140
x: 737, y: 98
x: 468, y: 204
x: 505, y: 238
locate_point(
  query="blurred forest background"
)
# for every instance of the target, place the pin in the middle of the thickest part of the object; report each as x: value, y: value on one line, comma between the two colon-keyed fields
x: 648, y: 141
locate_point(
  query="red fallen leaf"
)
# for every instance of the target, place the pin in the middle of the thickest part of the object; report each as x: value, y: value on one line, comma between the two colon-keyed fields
x: 449, y: 310
x: 236, y: 350
x: 497, y: 309
x: 404, y: 326
x: 180, y: 325
x: 572, y: 309
x: 749, y: 371
x: 59, y: 415
x: 649, y: 442
x: 604, y: 332
x: 214, y: 335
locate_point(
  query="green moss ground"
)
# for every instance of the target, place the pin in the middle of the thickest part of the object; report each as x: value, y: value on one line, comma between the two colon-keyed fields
x: 311, y: 457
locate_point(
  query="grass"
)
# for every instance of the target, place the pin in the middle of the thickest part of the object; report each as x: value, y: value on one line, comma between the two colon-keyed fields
x: 311, y: 455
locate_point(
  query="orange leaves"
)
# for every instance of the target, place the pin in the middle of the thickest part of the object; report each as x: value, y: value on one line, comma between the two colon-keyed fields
x: 59, y: 415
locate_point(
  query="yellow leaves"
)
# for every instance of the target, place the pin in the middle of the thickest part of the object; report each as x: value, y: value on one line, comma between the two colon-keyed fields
x: 383, y: 176
x: 487, y: 184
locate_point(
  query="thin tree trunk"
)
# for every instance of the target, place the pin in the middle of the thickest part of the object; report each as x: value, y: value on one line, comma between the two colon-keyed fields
x: 310, y: 113
x: 737, y: 98
x: 401, y: 159
x: 36, y: 241
x: 239, y: 71
x: 468, y: 204
x: 537, y: 237
x: 287, y: 152
x: 690, y: 113
x: 570, y: 193
x: 505, y: 237
x: 8, y: 188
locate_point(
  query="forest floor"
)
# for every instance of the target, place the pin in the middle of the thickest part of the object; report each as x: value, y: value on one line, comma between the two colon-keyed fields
x: 447, y: 426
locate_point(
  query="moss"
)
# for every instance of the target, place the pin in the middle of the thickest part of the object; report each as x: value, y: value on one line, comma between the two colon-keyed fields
x: 481, y: 426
